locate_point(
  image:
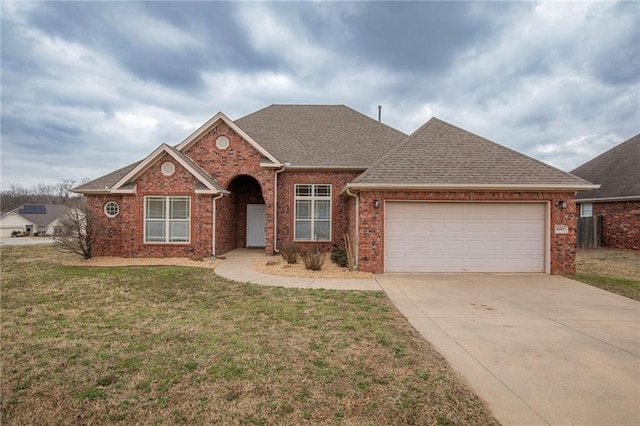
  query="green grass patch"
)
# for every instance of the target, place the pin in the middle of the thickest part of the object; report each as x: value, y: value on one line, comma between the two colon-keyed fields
x: 622, y: 286
x: 177, y: 345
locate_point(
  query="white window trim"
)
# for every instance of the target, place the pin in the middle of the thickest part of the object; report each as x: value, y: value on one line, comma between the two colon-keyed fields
x: 582, y: 206
x: 312, y: 198
x: 167, y: 220
x: 109, y: 214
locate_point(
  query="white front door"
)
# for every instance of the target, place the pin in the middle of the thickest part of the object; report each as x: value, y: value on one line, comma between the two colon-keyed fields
x: 255, y: 225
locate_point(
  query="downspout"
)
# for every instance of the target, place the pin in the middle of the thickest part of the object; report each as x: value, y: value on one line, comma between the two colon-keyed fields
x: 275, y: 211
x: 357, y: 197
x: 213, y: 227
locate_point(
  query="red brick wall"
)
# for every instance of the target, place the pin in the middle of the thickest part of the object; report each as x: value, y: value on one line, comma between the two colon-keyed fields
x: 240, y: 158
x: 371, y: 227
x: 339, y: 206
x: 123, y: 234
x: 620, y: 224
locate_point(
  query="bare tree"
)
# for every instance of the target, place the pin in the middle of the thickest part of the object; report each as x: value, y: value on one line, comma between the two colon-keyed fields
x: 63, y: 189
x: 76, y: 234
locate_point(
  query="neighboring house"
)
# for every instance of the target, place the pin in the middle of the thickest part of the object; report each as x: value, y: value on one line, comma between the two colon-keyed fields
x: 31, y: 219
x: 442, y: 199
x: 618, y: 198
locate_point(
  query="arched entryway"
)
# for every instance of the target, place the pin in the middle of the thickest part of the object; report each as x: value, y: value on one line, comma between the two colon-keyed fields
x: 246, y: 208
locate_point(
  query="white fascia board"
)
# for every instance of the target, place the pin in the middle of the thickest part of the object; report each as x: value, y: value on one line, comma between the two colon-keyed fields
x: 124, y: 191
x: 144, y: 164
x: 210, y: 192
x: 608, y: 200
x: 271, y: 165
x: 92, y: 191
x: 349, y: 168
x: 212, y: 122
x: 477, y: 187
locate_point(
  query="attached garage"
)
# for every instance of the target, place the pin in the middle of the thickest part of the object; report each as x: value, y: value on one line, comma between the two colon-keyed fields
x: 465, y: 237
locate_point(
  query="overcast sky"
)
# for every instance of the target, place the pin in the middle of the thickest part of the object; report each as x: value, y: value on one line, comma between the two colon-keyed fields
x: 90, y: 87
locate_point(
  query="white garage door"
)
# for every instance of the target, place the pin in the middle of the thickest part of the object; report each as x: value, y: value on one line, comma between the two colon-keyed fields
x: 464, y: 237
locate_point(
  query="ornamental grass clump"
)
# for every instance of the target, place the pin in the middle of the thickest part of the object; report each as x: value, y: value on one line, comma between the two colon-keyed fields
x: 289, y: 252
x: 313, y: 259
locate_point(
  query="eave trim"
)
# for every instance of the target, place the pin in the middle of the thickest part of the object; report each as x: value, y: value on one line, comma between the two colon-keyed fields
x: 477, y: 187
x: 149, y: 160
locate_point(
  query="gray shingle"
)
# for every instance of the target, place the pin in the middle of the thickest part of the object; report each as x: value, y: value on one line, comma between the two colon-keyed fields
x: 51, y: 213
x: 617, y: 171
x: 439, y: 153
x: 104, y: 183
x: 320, y: 135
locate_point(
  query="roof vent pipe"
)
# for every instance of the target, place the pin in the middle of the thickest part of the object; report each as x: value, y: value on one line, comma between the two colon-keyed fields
x: 379, y: 113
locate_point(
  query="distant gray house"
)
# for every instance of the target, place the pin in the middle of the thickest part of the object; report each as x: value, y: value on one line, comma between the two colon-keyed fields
x: 32, y: 219
x: 618, y: 198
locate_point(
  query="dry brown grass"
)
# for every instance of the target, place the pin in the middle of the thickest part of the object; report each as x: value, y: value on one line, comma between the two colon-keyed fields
x: 614, y: 263
x: 177, y: 345
x: 613, y: 270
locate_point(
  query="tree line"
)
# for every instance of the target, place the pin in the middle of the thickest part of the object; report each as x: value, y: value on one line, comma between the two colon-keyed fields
x: 59, y: 193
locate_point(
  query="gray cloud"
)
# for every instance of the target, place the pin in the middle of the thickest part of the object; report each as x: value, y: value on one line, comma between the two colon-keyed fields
x: 90, y: 87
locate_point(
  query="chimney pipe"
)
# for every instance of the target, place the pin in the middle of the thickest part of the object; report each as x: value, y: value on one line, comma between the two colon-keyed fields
x: 379, y: 113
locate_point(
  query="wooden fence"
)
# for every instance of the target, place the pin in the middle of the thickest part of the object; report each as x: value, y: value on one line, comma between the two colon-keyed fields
x: 589, y: 232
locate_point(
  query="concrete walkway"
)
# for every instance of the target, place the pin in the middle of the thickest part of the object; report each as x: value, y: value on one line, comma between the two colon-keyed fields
x: 238, y: 267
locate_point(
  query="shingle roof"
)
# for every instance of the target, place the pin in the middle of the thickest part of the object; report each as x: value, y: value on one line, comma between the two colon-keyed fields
x: 439, y: 153
x: 51, y: 213
x: 104, y: 183
x: 617, y: 171
x: 320, y: 135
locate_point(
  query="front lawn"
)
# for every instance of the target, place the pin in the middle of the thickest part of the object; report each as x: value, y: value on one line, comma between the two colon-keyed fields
x: 614, y: 270
x: 178, y: 345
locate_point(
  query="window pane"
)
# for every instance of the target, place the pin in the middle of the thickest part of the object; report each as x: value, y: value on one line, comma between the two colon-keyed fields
x: 303, y: 209
x: 586, y: 210
x: 155, y: 208
x: 303, y: 190
x: 179, y: 208
x: 322, y: 209
x: 322, y: 231
x: 155, y: 231
x: 303, y: 230
x: 322, y: 190
x: 179, y: 231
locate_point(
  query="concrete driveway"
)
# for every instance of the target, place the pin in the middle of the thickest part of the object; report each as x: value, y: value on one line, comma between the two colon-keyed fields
x: 539, y: 349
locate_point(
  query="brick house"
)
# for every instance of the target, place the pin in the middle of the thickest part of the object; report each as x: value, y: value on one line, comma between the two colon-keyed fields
x: 442, y: 199
x: 618, y: 198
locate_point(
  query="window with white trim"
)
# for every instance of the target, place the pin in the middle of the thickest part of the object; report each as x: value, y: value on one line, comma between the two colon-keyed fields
x: 312, y: 212
x: 111, y: 209
x: 167, y: 219
x: 586, y: 210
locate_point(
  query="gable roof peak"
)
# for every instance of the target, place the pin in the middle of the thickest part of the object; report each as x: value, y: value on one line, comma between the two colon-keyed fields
x: 123, y: 184
x: 214, y: 121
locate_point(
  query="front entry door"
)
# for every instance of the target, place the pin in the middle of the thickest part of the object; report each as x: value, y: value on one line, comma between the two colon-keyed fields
x: 255, y: 225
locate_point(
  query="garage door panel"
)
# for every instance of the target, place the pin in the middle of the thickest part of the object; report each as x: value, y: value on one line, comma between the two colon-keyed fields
x: 459, y: 237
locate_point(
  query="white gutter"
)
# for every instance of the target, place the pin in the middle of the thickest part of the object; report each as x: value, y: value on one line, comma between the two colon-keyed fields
x: 275, y: 211
x: 357, y: 197
x: 289, y: 167
x: 470, y: 186
x: 213, y: 228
